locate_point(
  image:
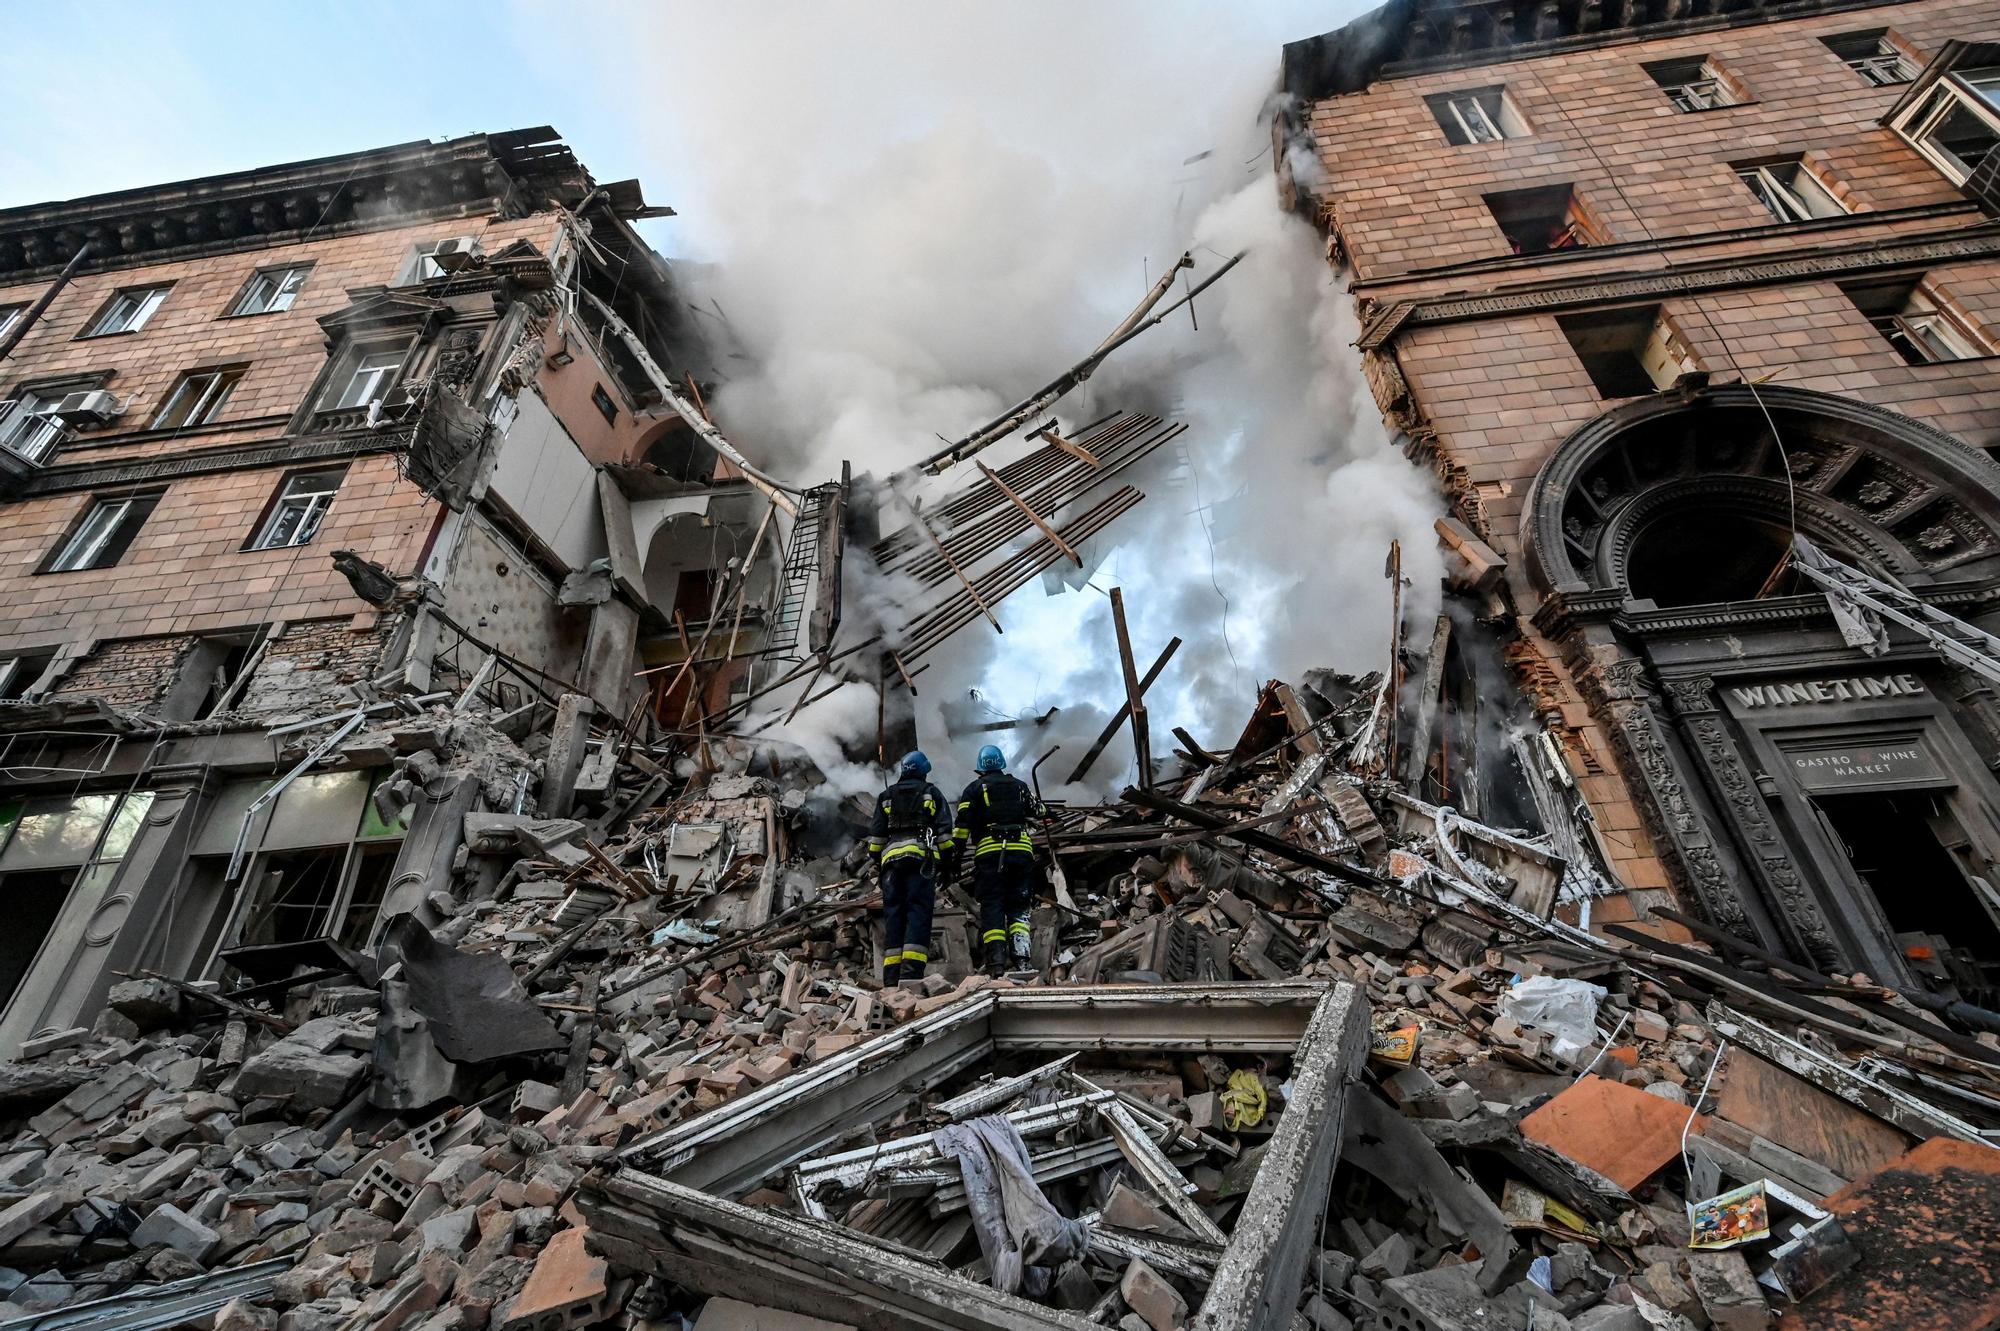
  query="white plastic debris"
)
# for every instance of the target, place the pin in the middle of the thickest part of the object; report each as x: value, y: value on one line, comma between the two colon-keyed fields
x: 1566, y: 1009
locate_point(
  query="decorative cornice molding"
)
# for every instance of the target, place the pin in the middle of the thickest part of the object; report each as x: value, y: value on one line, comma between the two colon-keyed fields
x: 1394, y: 317
x: 242, y: 457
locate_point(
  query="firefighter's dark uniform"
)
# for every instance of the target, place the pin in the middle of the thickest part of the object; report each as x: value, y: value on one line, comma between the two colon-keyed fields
x: 912, y: 819
x: 995, y: 816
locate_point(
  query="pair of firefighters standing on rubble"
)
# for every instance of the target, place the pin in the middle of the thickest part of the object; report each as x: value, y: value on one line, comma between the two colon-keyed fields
x: 917, y: 842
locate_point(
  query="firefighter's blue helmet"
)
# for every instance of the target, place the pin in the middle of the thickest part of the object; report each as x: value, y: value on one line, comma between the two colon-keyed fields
x: 990, y: 759
x: 915, y: 764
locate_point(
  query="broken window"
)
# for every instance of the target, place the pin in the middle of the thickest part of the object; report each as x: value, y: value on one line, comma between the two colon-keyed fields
x: 48, y: 845
x: 1956, y: 124
x: 1537, y: 221
x: 197, y: 399
x: 1873, y: 56
x: 1789, y: 191
x: 127, y: 311
x: 301, y: 505
x: 1628, y: 352
x: 1693, y: 83
x: 434, y: 258
x: 102, y: 537
x: 1913, y: 322
x: 28, y: 425
x: 208, y: 677
x: 270, y: 290
x: 18, y: 674
x: 1481, y: 115
x: 322, y: 860
x: 363, y: 378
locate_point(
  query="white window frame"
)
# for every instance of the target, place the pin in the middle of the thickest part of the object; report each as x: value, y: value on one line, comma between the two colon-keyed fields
x: 1887, y: 68
x: 270, y: 290
x: 27, y: 427
x: 1983, y: 83
x: 1476, y: 121
x: 299, y: 510
x: 11, y: 315
x: 1473, y: 122
x: 128, y: 310
x: 420, y: 266
x: 1949, y: 95
x: 210, y: 389
x: 1929, y: 329
x: 372, y: 371
x: 101, y: 523
x: 1707, y: 91
x: 1790, y: 200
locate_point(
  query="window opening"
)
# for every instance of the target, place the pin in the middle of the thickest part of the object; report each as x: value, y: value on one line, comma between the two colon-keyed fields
x: 1537, y: 221
x: 1693, y: 83
x: 1628, y: 353
x: 1790, y: 192
x: 128, y: 310
x: 364, y: 379
x: 106, y: 532
x: 1956, y: 128
x: 605, y: 406
x: 1480, y: 115
x: 28, y: 424
x: 52, y: 845
x: 1912, y: 322
x: 271, y: 290
x: 1701, y: 554
x: 11, y: 315
x: 197, y: 399
x: 296, y: 896
x: 299, y: 510
x: 20, y: 673
x: 1872, y: 56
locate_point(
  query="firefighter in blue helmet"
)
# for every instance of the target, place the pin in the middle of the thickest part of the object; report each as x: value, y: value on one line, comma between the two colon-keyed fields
x: 912, y: 823
x: 995, y: 818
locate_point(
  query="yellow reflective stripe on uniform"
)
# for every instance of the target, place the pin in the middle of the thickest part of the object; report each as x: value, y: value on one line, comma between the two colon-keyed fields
x: 1022, y: 844
x: 1017, y: 928
x: 913, y: 954
x: 892, y: 958
x: 993, y: 936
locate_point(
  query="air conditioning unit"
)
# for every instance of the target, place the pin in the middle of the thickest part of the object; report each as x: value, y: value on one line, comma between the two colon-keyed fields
x: 456, y: 253
x: 92, y: 408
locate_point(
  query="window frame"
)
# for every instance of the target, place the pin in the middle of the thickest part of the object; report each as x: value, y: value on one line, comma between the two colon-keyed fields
x: 150, y: 296
x: 1949, y: 94
x: 1780, y: 196
x: 1684, y: 93
x: 84, y: 548
x: 1882, y: 54
x: 14, y: 427
x: 317, y: 504
x: 286, y: 280
x: 1919, y: 323
x: 349, y: 368
x: 222, y: 382
x: 11, y: 314
x: 1501, y: 121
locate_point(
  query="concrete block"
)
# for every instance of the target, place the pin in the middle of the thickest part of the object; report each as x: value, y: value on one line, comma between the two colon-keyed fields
x: 149, y: 1004
x: 1729, y: 1293
x: 25, y: 1214
x: 567, y: 1288
x: 177, y: 1229
x: 300, y: 1075
x: 733, y: 1315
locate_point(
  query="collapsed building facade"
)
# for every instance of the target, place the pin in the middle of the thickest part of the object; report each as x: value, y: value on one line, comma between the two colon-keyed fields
x: 1655, y: 287
x: 424, y: 930
x: 283, y: 444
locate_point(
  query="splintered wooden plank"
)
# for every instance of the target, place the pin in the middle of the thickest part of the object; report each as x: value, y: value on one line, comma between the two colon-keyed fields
x: 1618, y: 1130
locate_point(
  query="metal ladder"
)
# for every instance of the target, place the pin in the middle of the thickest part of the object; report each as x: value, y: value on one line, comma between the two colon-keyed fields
x: 800, y: 571
x: 1861, y: 593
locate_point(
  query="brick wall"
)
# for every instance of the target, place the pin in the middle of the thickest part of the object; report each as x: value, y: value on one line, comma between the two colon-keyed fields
x: 1407, y: 200
x: 134, y: 673
x: 306, y: 669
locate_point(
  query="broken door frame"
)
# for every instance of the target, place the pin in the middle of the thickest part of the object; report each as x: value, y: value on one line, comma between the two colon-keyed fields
x: 669, y: 1208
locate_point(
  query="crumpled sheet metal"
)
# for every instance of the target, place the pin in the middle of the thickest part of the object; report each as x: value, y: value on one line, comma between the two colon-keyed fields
x: 477, y: 1009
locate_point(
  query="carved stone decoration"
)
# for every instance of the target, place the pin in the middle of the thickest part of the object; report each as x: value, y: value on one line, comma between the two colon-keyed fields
x: 458, y: 360
x: 1677, y: 827
x: 1702, y: 721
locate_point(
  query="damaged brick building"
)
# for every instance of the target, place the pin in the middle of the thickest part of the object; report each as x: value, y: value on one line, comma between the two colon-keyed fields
x: 1655, y: 286
x: 279, y: 445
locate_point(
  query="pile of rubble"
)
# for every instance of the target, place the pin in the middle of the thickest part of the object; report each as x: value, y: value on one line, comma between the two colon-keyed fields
x: 1296, y: 1049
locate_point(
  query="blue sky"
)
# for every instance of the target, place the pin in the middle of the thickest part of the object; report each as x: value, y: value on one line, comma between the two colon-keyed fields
x: 110, y: 95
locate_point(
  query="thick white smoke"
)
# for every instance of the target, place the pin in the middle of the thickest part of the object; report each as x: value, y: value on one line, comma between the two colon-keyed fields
x: 913, y: 214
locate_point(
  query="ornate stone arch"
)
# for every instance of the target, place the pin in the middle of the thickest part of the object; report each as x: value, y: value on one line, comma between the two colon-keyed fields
x: 1888, y: 490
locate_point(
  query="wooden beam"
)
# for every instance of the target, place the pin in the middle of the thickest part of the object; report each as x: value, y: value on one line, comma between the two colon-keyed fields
x: 1075, y: 450
x: 965, y: 581
x: 1418, y: 757
x: 1033, y: 516
x: 1135, y: 698
x: 1111, y: 728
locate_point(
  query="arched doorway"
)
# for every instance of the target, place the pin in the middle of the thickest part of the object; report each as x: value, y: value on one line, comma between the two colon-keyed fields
x: 1782, y: 759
